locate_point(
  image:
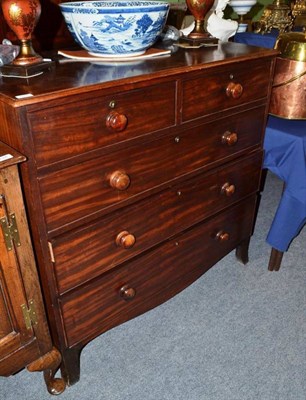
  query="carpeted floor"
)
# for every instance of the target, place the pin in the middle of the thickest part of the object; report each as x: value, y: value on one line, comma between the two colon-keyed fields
x: 238, y: 333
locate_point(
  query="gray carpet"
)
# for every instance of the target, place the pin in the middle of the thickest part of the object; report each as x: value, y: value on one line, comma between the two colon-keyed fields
x: 238, y: 333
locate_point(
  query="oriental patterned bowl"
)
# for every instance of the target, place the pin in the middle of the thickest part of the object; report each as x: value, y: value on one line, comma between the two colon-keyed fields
x: 116, y: 28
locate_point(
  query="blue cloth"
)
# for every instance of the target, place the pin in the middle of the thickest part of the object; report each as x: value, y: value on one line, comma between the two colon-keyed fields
x: 257, y: 39
x: 285, y: 156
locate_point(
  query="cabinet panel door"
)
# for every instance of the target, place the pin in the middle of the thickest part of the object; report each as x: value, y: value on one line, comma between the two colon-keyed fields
x: 24, y: 335
x: 15, y: 337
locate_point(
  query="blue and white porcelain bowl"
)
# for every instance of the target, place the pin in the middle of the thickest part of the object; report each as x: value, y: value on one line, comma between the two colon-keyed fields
x: 116, y: 28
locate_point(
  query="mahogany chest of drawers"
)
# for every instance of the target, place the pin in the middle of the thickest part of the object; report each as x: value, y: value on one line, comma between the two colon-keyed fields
x: 138, y: 178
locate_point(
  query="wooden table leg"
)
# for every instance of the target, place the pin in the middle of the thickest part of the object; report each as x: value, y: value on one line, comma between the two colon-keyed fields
x: 275, y: 260
x: 242, y: 251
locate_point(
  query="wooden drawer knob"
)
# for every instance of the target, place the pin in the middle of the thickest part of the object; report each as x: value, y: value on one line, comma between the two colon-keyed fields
x: 222, y: 236
x: 125, y: 239
x: 229, y: 138
x: 234, y: 90
x: 119, y: 180
x: 116, y: 122
x: 228, y: 189
x: 127, y: 293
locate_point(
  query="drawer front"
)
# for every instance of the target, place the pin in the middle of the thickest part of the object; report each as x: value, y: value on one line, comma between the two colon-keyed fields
x: 232, y: 87
x: 77, y: 191
x: 128, y: 232
x: 151, y: 279
x: 74, y: 128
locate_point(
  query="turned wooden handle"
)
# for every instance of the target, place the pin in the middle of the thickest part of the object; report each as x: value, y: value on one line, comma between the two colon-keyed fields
x: 228, y: 189
x: 229, y: 138
x: 222, y: 236
x: 119, y: 180
x: 127, y: 293
x: 234, y: 90
x: 116, y: 122
x: 125, y: 239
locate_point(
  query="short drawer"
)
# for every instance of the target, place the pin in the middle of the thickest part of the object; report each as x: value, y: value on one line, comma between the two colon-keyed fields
x: 231, y: 87
x: 98, y: 184
x: 122, y: 235
x: 151, y: 279
x: 77, y: 127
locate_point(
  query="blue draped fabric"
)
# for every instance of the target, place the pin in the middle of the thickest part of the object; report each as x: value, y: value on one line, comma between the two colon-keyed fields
x: 285, y: 156
x: 257, y: 39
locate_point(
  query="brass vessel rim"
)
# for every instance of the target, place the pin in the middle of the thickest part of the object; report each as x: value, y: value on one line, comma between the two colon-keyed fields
x: 292, y: 45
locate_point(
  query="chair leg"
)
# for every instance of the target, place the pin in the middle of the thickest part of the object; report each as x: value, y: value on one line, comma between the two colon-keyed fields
x: 275, y: 260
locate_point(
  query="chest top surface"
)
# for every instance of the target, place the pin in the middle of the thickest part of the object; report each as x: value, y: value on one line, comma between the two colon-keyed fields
x: 69, y: 77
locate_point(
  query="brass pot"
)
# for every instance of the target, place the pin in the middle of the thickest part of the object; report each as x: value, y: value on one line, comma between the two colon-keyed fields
x: 288, y: 97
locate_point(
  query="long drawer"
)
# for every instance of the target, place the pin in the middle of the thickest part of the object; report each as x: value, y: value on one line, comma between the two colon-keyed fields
x: 122, y: 235
x: 69, y: 130
x: 231, y: 87
x: 151, y: 279
x: 75, y: 192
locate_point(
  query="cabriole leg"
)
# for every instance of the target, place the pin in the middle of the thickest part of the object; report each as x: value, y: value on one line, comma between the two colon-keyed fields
x: 49, y: 364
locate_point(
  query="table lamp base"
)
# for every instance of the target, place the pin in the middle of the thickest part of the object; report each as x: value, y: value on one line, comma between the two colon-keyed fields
x: 186, y: 41
x: 25, y: 71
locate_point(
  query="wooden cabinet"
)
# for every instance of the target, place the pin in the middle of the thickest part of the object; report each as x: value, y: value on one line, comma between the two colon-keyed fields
x: 24, y: 334
x: 138, y: 179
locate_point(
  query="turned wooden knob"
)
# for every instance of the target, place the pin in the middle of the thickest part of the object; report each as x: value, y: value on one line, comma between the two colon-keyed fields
x: 125, y: 239
x: 127, y: 293
x: 229, y: 138
x: 222, y: 236
x: 228, y: 189
x: 234, y: 90
x: 119, y: 180
x: 116, y: 122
